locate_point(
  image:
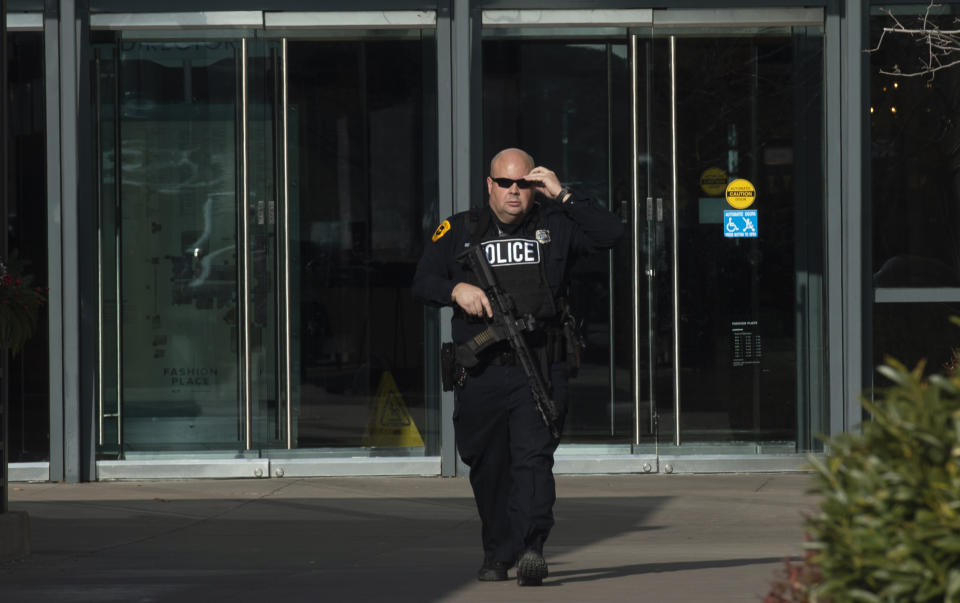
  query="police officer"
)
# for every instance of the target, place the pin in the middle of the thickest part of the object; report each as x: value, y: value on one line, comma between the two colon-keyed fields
x: 531, y: 245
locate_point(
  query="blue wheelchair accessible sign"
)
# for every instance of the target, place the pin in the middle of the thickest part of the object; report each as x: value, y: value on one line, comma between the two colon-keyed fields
x: 739, y: 223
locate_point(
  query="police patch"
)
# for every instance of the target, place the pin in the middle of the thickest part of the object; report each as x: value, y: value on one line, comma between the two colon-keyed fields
x: 512, y: 252
x: 543, y: 236
x: 441, y: 230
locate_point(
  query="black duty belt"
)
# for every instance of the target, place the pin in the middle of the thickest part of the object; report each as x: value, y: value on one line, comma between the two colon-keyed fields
x: 556, y: 352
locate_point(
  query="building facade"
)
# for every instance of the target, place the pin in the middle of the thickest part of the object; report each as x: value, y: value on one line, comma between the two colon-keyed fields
x: 228, y: 199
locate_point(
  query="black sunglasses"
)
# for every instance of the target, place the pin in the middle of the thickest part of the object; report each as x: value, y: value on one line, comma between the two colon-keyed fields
x: 507, y: 183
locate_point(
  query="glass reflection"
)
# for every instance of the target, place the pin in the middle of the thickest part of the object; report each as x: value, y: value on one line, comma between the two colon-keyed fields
x: 171, y: 162
x: 363, y: 180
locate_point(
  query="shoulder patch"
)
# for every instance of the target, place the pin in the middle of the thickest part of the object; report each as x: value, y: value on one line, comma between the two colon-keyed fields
x: 441, y: 230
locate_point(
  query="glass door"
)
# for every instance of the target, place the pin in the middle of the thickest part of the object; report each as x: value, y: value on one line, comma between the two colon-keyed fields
x: 564, y: 96
x: 696, y: 342
x: 360, y: 129
x: 187, y: 198
x: 263, y: 200
x: 726, y: 227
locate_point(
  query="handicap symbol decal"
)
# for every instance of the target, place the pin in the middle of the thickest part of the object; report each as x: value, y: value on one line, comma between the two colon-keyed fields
x: 739, y: 223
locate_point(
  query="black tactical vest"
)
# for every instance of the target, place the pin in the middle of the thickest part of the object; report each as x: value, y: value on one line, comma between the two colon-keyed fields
x: 518, y: 261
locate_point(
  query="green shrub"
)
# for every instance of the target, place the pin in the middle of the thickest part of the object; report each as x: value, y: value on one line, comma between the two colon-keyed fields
x: 888, y: 526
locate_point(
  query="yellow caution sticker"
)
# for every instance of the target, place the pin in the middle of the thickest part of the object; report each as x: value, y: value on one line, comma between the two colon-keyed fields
x: 713, y: 181
x: 390, y: 423
x: 441, y: 230
x: 740, y: 194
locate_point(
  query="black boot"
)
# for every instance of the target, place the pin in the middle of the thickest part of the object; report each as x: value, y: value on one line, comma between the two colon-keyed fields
x: 493, y: 571
x: 531, y: 568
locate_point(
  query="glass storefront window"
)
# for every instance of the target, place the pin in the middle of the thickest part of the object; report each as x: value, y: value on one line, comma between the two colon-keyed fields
x: 28, y: 373
x: 263, y: 198
x: 264, y: 201
x: 914, y: 150
x: 914, y: 194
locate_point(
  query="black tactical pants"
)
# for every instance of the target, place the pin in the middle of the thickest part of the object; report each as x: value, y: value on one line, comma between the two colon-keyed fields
x: 509, y: 450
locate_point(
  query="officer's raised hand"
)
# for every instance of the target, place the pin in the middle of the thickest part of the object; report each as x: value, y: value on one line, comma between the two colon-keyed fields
x: 547, y: 183
x: 471, y: 299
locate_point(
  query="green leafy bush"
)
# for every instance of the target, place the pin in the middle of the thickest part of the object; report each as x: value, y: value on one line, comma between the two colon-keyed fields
x: 888, y: 526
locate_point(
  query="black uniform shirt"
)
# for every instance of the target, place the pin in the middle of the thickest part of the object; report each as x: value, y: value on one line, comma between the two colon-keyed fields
x: 574, y: 228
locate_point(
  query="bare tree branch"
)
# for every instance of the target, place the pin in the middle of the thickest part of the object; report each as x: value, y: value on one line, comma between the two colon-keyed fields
x: 926, y: 71
x: 943, y: 45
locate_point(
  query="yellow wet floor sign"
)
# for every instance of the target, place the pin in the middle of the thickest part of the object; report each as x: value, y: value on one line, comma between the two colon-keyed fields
x: 390, y: 423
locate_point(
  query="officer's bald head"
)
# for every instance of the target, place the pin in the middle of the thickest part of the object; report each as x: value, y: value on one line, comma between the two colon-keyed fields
x: 511, y: 155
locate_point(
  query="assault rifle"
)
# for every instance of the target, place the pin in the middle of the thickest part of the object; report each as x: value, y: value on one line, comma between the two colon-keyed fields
x: 506, y: 325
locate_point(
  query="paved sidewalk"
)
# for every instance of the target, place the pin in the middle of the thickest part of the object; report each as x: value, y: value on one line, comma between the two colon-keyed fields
x: 658, y: 538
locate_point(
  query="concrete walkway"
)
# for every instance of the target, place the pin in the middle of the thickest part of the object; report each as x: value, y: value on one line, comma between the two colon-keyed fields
x: 658, y: 538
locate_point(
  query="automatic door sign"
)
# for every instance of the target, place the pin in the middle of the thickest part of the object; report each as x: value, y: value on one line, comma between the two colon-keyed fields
x: 740, y: 194
x: 713, y: 181
x: 739, y: 223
